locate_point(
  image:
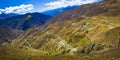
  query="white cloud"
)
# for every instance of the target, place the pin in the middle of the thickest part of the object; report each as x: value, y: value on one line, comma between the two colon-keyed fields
x: 66, y: 3
x: 0, y: 12
x: 18, y: 9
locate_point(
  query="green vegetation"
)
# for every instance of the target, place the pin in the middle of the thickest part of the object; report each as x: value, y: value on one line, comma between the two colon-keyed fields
x: 28, y: 17
x: 94, y: 36
x: 10, y: 53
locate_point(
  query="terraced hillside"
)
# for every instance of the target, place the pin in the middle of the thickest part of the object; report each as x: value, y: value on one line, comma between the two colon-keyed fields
x: 90, y: 32
x: 74, y: 36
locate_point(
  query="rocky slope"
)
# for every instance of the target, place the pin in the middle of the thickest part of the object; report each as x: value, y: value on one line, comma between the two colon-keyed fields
x: 8, y: 34
x: 106, y: 8
x: 87, y: 29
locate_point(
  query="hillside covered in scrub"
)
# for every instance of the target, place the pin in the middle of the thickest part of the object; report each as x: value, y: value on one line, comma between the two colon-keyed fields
x: 89, y: 32
x: 8, y: 34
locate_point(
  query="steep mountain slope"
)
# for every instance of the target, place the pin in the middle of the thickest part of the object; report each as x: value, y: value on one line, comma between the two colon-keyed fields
x: 59, y: 10
x: 106, y: 8
x: 26, y: 21
x: 88, y: 29
x: 73, y: 36
x: 7, y: 34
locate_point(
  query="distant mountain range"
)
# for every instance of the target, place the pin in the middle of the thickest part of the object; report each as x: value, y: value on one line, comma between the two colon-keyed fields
x: 59, y: 10
x: 25, y: 21
x: 4, y: 15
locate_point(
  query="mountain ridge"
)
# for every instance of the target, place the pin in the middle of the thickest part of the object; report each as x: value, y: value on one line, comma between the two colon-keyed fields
x: 25, y: 21
x: 4, y: 15
x: 89, y: 10
x: 59, y: 10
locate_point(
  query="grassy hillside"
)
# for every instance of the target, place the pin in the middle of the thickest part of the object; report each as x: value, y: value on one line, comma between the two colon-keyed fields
x: 72, y: 36
x: 10, y: 53
x: 82, y: 34
x: 91, y: 33
x: 105, y: 8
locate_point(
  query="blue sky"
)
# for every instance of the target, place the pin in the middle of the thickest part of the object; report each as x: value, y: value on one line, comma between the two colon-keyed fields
x: 25, y: 6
